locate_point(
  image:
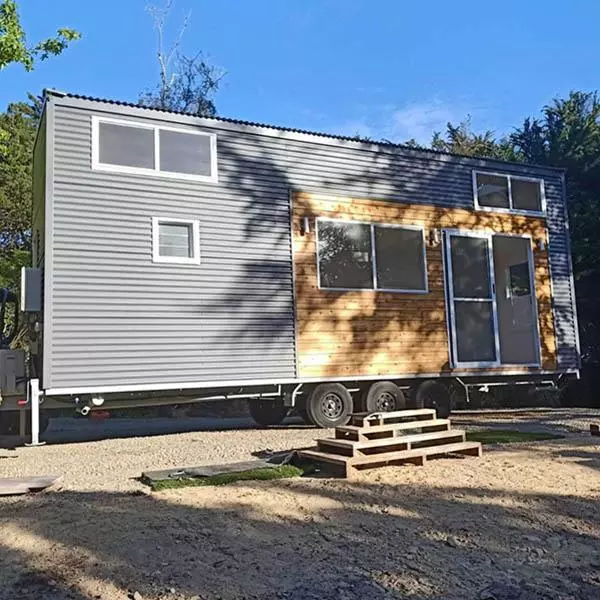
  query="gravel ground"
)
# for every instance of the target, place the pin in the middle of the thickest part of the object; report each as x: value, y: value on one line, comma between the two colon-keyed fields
x: 521, y: 523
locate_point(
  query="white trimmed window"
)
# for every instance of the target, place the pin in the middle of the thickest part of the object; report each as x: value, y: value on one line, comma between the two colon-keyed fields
x: 371, y: 256
x: 496, y: 191
x: 175, y: 241
x: 140, y: 148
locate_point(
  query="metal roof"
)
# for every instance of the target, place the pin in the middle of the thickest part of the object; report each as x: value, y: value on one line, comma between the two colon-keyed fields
x: 333, y: 136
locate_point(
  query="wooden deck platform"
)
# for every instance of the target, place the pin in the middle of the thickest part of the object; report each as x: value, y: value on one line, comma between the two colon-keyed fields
x: 375, y: 440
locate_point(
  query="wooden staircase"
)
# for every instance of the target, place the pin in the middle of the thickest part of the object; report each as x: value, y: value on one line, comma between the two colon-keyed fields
x: 379, y: 439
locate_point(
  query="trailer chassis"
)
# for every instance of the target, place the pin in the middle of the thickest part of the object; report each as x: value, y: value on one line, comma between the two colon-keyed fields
x: 292, y: 394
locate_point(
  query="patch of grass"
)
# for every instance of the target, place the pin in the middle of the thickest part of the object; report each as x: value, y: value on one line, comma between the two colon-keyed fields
x: 261, y: 474
x: 509, y: 436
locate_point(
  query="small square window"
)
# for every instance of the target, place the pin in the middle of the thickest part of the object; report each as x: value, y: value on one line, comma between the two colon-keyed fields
x: 175, y: 241
x: 492, y: 190
x: 526, y: 195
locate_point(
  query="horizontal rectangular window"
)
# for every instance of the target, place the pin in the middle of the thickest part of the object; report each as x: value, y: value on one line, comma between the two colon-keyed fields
x: 358, y: 256
x: 139, y: 148
x: 175, y: 241
x: 495, y: 191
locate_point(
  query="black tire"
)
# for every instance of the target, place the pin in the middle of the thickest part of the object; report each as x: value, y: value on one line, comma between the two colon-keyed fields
x: 329, y: 405
x: 432, y: 394
x: 384, y: 396
x: 9, y: 422
x: 267, y: 412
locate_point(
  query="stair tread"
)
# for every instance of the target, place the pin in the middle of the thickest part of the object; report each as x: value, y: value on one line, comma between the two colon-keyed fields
x: 414, y: 412
x: 392, y: 426
x: 326, y: 456
x: 400, y: 454
x: 389, y: 456
x: 393, y: 441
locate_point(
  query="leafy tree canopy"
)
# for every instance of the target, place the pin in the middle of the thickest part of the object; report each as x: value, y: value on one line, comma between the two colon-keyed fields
x: 13, y: 41
x: 460, y: 139
x: 18, y: 126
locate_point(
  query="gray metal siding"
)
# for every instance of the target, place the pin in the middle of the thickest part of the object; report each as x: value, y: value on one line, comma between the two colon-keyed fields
x: 121, y: 319
x: 563, y: 288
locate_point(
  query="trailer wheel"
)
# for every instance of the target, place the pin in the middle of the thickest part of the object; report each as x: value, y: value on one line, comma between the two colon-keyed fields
x: 267, y: 412
x: 384, y: 396
x: 329, y: 405
x: 432, y: 394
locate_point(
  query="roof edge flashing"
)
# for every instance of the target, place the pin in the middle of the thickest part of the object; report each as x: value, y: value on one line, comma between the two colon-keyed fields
x: 372, y: 145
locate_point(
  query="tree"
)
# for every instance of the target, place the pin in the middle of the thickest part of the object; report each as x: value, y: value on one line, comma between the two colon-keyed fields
x: 18, y: 124
x: 567, y: 135
x: 186, y: 83
x: 13, y: 41
x: 460, y: 139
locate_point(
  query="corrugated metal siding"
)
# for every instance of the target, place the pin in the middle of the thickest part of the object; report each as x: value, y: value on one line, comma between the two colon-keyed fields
x: 120, y: 319
x: 563, y: 292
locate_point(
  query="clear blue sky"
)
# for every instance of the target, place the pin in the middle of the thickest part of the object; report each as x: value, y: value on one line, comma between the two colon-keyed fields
x: 385, y: 68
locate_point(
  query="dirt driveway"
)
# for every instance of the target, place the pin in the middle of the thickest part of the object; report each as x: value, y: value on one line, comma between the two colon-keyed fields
x: 523, y: 522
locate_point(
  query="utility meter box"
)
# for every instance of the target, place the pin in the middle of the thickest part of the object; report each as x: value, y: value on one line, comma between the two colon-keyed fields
x: 31, y: 289
x: 12, y: 372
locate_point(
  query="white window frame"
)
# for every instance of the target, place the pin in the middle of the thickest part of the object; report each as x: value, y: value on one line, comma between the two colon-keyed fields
x: 155, y: 172
x: 182, y: 260
x: 372, y: 226
x: 510, y: 209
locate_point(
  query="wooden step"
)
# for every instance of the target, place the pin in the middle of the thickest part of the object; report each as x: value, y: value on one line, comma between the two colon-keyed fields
x: 379, y: 431
x: 318, y: 456
x: 370, y: 419
x: 381, y: 445
x: 353, y: 465
x: 473, y: 448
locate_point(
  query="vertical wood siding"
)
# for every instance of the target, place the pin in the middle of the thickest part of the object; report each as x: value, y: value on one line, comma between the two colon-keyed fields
x: 377, y: 333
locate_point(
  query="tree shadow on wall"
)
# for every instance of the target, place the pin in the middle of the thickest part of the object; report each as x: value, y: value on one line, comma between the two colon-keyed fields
x: 342, y: 333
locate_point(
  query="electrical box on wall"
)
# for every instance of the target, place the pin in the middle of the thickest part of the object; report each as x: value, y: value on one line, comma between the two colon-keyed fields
x: 12, y: 372
x: 31, y: 289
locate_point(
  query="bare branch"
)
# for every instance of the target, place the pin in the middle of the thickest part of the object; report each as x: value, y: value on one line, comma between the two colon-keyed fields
x: 186, y: 83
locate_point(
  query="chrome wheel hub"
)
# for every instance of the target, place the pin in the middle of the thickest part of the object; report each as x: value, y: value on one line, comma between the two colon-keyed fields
x: 332, y: 406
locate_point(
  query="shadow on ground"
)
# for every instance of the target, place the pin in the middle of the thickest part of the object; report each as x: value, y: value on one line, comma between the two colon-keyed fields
x: 74, y: 430
x: 301, y: 539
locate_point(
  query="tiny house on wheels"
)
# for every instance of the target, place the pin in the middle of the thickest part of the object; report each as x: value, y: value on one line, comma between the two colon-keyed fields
x: 183, y: 257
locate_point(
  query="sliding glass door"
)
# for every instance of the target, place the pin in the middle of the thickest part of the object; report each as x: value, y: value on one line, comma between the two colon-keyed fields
x: 471, y: 299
